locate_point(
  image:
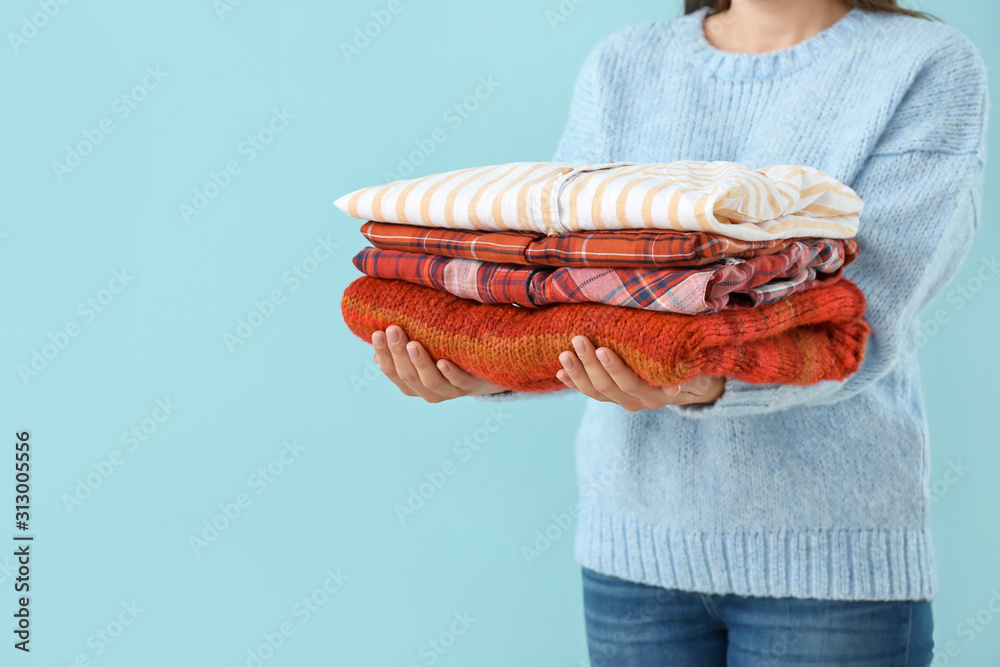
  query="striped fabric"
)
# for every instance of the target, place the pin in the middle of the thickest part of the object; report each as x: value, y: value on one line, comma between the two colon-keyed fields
x: 804, y: 339
x: 629, y: 248
x: 800, y: 266
x: 724, y: 198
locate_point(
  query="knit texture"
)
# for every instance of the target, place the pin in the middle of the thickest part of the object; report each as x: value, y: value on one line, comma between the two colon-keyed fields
x: 818, y: 491
x: 807, y: 337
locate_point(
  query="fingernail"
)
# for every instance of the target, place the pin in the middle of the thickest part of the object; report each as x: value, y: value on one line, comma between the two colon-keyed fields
x: 392, y: 334
x: 561, y: 376
x: 671, y: 389
x: 444, y: 367
x: 579, y: 345
x: 603, y: 356
x: 414, y: 351
x: 378, y: 340
x: 566, y: 361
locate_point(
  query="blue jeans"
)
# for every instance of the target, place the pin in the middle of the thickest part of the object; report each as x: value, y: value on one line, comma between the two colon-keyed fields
x: 634, y: 625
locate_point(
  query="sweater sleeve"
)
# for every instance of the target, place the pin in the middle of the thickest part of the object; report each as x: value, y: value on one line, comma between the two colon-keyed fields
x: 917, y: 234
x: 922, y: 185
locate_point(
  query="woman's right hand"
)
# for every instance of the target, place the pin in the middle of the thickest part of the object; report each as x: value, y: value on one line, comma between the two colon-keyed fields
x: 409, y: 366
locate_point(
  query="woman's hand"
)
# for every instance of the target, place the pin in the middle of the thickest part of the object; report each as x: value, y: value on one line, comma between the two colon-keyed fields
x: 603, y: 376
x: 409, y: 366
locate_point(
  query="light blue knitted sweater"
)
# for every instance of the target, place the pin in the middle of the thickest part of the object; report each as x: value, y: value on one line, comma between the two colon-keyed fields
x: 814, y: 492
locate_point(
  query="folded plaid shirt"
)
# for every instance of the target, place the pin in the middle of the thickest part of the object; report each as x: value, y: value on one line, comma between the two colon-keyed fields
x: 799, y: 266
x: 629, y: 248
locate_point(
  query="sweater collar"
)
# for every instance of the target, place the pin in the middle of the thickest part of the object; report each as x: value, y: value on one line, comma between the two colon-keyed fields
x: 724, y: 64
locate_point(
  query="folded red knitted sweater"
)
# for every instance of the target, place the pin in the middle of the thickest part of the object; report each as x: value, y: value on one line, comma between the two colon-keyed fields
x: 803, y: 339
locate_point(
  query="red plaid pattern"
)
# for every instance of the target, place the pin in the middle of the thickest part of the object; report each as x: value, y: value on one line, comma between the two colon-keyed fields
x: 612, y: 249
x: 800, y: 265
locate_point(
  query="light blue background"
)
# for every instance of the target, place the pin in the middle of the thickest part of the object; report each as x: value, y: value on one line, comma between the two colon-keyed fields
x: 302, y: 376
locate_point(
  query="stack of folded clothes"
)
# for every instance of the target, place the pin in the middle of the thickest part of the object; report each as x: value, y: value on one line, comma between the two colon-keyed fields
x: 683, y: 269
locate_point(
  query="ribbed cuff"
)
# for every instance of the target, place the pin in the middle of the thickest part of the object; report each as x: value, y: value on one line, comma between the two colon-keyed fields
x: 838, y: 564
x: 743, y: 399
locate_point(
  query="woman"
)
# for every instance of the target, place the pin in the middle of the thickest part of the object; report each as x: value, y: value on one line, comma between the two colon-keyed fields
x: 724, y: 523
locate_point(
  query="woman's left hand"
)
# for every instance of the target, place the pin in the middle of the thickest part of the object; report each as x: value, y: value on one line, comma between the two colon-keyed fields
x: 603, y: 376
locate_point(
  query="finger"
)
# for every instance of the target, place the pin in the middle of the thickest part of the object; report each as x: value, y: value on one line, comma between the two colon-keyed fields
x: 626, y: 378
x: 671, y: 389
x: 599, y: 376
x: 698, y: 385
x: 577, y: 374
x: 694, y: 390
x: 650, y: 396
x: 684, y: 398
x: 564, y: 377
x: 405, y: 369
x: 458, y: 378
x: 429, y: 374
x: 675, y: 390
x: 385, y: 363
x: 712, y: 388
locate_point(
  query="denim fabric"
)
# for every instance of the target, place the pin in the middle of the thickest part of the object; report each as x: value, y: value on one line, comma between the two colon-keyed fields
x: 635, y: 625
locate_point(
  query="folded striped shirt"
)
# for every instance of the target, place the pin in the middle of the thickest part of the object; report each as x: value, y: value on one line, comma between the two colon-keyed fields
x: 800, y: 266
x: 726, y: 198
x: 628, y: 248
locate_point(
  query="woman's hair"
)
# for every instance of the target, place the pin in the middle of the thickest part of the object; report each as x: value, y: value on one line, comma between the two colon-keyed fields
x: 890, y: 6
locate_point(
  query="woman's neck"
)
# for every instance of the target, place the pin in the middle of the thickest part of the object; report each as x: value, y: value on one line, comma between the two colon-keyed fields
x: 760, y: 26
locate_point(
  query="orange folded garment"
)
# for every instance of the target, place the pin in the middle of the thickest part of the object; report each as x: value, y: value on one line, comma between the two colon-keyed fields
x: 803, y: 339
x: 607, y: 249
